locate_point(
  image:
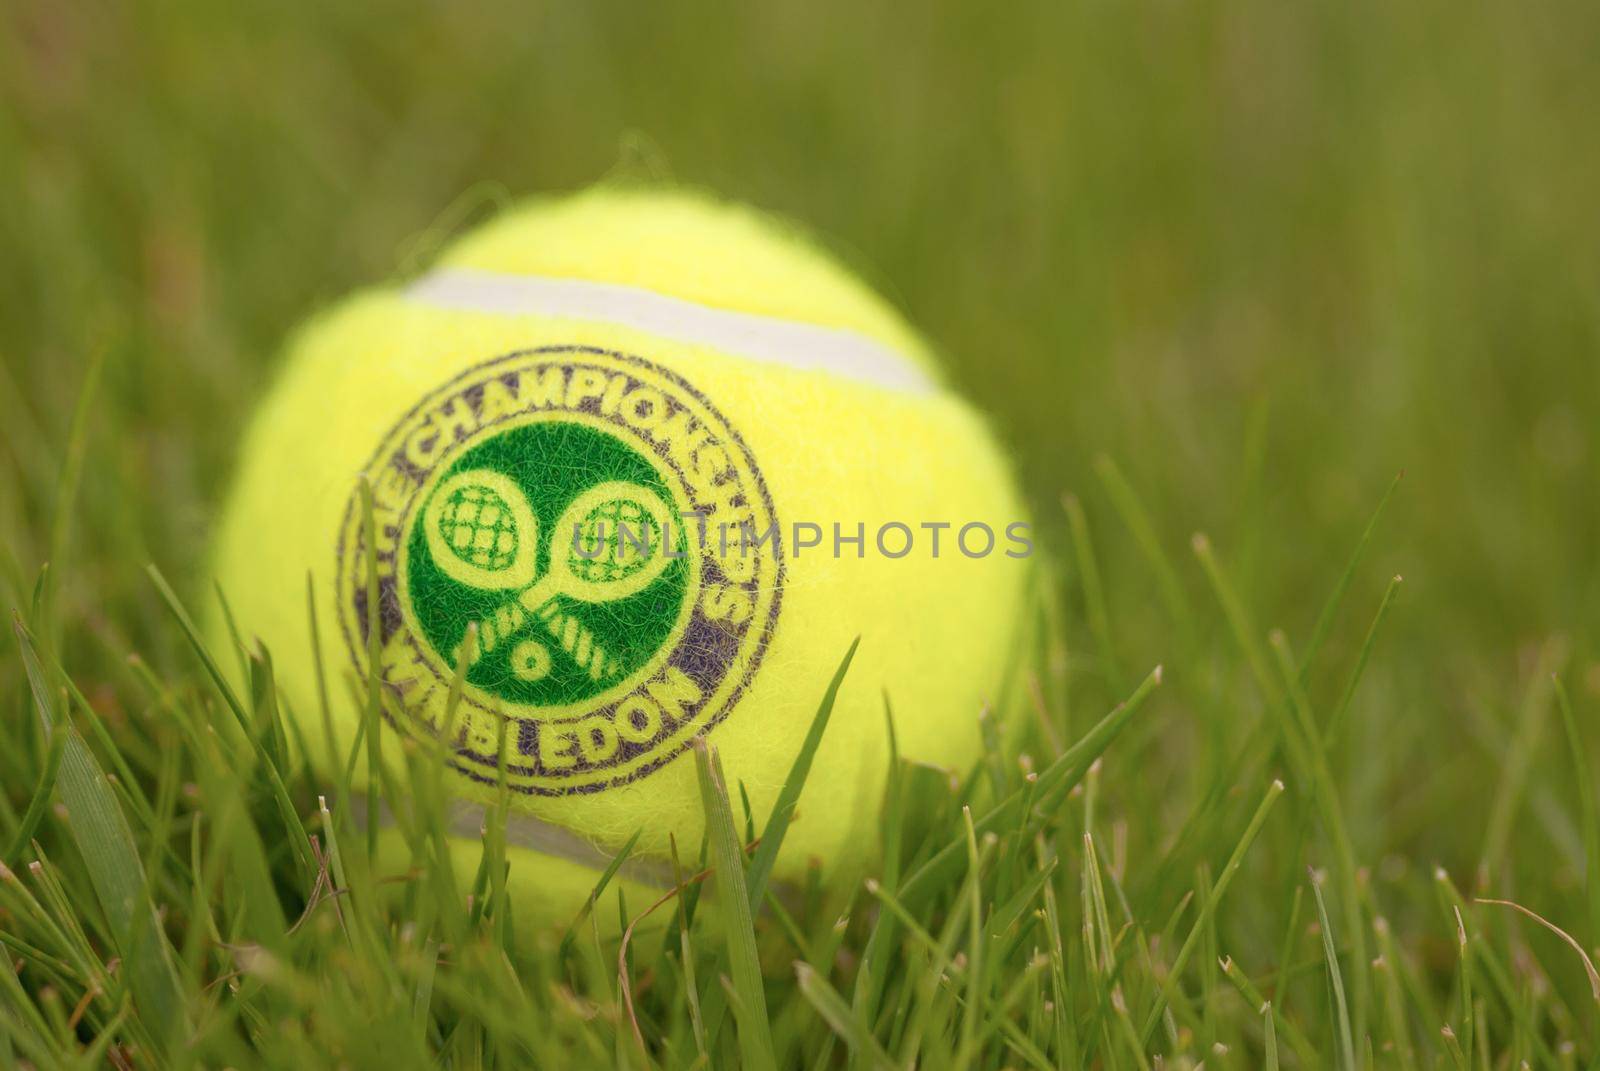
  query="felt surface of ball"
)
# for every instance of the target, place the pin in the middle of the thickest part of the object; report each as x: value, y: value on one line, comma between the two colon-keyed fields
x: 567, y: 426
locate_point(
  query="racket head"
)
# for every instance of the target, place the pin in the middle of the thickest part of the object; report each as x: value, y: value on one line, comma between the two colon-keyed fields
x: 482, y: 532
x: 622, y: 529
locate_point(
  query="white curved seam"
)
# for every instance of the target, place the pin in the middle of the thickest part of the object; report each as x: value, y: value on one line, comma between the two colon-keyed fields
x: 766, y: 339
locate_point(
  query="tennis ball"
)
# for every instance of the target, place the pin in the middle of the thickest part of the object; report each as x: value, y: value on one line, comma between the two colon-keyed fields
x: 656, y: 461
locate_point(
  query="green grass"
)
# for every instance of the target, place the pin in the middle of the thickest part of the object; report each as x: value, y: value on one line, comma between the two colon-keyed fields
x: 1225, y: 267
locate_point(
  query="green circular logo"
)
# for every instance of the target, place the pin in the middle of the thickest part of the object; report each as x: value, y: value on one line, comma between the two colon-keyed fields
x: 543, y: 521
x: 564, y: 568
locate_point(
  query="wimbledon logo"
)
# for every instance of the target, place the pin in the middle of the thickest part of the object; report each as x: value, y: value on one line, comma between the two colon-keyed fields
x: 553, y: 498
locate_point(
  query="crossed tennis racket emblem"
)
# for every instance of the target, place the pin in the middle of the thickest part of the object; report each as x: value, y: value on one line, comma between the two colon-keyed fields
x: 609, y: 543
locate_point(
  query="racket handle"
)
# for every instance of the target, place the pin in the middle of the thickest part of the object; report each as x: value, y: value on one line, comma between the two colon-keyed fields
x: 512, y: 616
x: 500, y: 626
x: 576, y: 640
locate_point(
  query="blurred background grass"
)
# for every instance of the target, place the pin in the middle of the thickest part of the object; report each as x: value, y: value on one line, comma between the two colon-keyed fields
x: 1263, y: 254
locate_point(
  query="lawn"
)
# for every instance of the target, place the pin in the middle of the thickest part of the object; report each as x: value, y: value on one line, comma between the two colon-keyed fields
x: 1289, y: 316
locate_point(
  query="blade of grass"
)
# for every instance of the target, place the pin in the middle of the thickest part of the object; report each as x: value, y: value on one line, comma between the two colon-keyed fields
x: 867, y: 994
x: 1583, y: 780
x: 733, y: 905
x: 1531, y: 715
x: 373, y: 709
x: 1325, y: 792
x: 1388, y: 969
x: 1340, y: 713
x: 841, y: 1019
x: 766, y: 854
x: 1094, y: 595
x: 1490, y: 966
x: 299, y: 840
x: 1304, y: 1050
x: 1137, y: 520
x: 606, y: 875
x: 1344, y: 1043
x: 977, y: 962
x: 1060, y: 777
x: 1270, y: 1040
x: 66, y: 493
x: 1064, y: 1031
x: 1464, y: 985
x: 1208, y: 908
x: 40, y: 800
x: 1330, y: 609
x: 106, y: 843
x: 1589, y: 970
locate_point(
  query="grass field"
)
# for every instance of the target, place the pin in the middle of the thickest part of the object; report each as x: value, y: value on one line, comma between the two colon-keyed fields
x: 1222, y: 267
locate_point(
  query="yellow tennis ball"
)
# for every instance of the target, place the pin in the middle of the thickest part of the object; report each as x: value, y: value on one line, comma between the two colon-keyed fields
x: 664, y: 460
